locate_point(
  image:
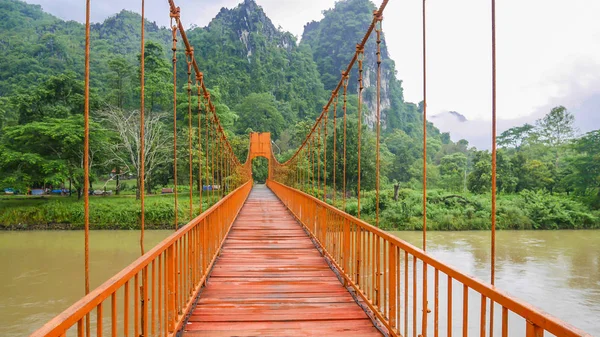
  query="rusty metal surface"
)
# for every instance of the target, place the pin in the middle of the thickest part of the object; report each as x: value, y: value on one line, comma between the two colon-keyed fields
x: 271, y: 280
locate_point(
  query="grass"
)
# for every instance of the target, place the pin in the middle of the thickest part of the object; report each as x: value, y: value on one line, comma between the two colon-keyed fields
x: 106, y: 212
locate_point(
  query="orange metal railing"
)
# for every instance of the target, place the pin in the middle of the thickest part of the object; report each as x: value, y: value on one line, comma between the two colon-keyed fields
x: 152, y: 295
x: 387, y: 274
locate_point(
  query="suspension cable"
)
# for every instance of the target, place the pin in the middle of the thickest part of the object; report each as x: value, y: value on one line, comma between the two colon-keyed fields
x: 424, y: 305
x: 325, y: 159
x: 346, y: 79
x: 142, y: 163
x: 335, y: 104
x: 319, y: 148
x: 86, y: 159
x: 199, y: 79
x: 213, y: 156
x: 494, y: 163
x: 361, y: 54
x: 207, y: 148
x: 174, y: 26
x: 189, y: 57
x: 378, y: 29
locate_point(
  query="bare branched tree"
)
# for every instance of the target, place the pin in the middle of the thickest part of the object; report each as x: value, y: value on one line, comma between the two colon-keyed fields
x: 126, y: 150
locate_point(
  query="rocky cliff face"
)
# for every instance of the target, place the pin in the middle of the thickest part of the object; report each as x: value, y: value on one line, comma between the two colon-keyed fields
x: 242, y: 52
x: 333, y: 41
x: 248, y: 18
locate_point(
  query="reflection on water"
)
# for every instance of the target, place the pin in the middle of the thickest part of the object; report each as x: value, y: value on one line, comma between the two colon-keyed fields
x: 557, y: 271
x: 42, y: 272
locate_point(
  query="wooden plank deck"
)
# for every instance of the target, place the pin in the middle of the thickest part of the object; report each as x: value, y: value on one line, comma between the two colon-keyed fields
x: 271, y: 281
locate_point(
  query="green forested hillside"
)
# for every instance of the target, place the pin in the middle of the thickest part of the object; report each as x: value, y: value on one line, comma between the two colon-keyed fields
x: 262, y: 79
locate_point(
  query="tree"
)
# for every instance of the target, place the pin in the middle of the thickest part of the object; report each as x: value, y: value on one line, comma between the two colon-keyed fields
x: 480, y: 179
x: 405, y: 152
x: 260, y: 169
x: 58, y: 96
x: 49, y: 152
x: 586, y: 175
x: 159, y: 86
x: 516, y: 137
x: 537, y: 175
x: 453, y: 170
x: 556, y: 128
x: 125, y: 144
x: 259, y: 112
x: 119, y: 81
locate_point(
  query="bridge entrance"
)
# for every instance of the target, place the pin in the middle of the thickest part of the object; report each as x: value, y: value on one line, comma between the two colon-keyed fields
x: 260, y: 156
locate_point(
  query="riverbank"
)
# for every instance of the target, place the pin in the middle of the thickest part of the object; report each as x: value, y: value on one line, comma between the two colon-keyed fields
x: 446, y: 211
x: 106, y: 213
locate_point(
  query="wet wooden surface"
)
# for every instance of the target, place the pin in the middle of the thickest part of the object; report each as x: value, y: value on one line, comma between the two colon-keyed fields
x: 271, y: 281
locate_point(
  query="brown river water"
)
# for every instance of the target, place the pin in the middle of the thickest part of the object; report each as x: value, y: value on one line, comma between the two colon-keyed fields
x: 41, y: 273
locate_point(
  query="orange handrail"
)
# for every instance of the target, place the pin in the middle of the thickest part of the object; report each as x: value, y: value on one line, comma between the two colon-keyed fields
x: 172, y: 274
x: 377, y: 265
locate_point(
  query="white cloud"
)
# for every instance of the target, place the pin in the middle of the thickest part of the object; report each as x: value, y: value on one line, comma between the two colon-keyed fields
x: 543, y: 45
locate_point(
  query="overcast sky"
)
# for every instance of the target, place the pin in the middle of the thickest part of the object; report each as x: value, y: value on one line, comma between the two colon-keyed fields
x: 548, y: 51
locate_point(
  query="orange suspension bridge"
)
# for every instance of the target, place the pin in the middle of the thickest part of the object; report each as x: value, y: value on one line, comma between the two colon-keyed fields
x: 280, y: 261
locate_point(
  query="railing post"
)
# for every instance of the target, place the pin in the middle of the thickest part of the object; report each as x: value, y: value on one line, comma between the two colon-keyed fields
x: 170, y: 305
x: 392, y: 284
x: 346, y: 249
x: 324, y: 227
x: 533, y: 330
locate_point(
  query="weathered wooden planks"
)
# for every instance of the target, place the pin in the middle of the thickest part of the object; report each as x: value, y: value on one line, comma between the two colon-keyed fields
x: 271, y: 281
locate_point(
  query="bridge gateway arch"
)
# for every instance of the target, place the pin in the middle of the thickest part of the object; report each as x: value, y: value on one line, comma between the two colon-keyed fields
x: 260, y: 146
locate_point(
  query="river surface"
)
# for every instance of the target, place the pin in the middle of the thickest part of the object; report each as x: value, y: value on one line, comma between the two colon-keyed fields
x: 556, y: 271
x: 41, y: 273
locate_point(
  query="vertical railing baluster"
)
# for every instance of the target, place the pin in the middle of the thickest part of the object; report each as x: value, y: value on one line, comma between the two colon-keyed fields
x: 159, y: 295
x: 399, y: 282
x: 80, y: 330
x: 406, y: 293
x: 99, y: 319
x: 465, y: 323
x: 144, y: 301
x: 136, y: 306
x: 153, y: 299
x: 126, y: 310
x: 391, y: 276
x: 113, y: 314
x: 504, y: 322
x: 414, y: 288
x: 436, y: 304
x: 449, y: 307
x: 170, y: 292
x: 377, y: 245
x: 482, y: 317
x: 533, y: 330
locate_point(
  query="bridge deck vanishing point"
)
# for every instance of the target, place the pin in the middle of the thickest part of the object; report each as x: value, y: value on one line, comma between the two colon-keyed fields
x: 271, y: 280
